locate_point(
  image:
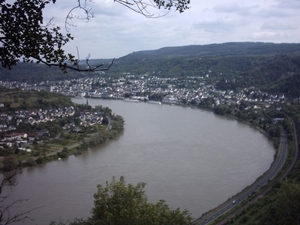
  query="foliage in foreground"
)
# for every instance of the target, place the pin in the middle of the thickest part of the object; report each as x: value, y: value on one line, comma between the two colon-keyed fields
x: 25, y: 36
x: 118, y: 203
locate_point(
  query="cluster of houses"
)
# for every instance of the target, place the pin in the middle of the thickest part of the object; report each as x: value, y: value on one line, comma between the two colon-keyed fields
x: 22, y: 139
x: 10, y: 121
x: 13, y: 137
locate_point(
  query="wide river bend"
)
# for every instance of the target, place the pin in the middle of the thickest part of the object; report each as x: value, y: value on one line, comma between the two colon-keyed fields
x: 191, y: 158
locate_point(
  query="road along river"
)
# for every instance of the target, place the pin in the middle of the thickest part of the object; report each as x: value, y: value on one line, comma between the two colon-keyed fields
x: 193, y: 159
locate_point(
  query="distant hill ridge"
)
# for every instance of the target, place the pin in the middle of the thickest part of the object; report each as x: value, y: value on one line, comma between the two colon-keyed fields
x: 176, y: 61
x: 231, y: 48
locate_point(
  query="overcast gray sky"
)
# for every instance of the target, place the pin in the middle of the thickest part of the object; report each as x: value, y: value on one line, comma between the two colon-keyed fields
x: 116, y: 31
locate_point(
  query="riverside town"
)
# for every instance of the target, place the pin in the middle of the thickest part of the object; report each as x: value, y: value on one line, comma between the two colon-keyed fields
x: 52, y: 131
x: 258, y: 108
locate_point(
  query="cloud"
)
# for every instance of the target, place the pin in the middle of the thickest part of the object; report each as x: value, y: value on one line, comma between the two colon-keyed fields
x: 281, y: 9
x: 215, y: 26
x: 275, y: 25
x: 288, y: 4
x: 264, y: 35
x: 236, y: 8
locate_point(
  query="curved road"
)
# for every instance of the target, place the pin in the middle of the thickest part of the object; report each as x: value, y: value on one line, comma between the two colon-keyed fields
x: 234, y: 201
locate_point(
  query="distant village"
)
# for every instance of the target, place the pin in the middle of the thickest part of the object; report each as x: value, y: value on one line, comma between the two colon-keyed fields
x: 174, y: 90
x: 188, y: 91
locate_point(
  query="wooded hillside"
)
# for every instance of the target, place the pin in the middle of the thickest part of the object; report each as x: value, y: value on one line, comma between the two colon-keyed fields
x: 267, y: 66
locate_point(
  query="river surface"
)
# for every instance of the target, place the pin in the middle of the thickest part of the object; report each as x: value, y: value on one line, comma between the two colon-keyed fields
x: 191, y: 158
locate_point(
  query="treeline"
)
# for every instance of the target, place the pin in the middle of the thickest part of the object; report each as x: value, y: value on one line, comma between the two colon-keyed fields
x: 114, y: 127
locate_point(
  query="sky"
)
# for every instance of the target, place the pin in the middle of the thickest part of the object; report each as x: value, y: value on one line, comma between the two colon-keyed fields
x: 116, y: 31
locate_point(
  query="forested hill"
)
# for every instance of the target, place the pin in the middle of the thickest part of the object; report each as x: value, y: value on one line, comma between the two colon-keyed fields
x: 268, y: 66
x: 226, y: 49
x: 196, y: 60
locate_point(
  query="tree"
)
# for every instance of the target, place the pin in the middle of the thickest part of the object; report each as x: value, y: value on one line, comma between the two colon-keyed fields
x: 25, y: 36
x: 220, y: 109
x: 118, y: 203
x: 126, y: 204
x: 286, y: 208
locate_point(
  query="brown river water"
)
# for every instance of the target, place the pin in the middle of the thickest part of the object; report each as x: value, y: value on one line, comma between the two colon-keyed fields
x: 191, y: 158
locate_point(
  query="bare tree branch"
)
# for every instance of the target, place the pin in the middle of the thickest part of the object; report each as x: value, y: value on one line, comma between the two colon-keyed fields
x: 89, y: 69
x: 141, y: 7
x: 88, y: 14
x: 144, y: 7
x: 8, y: 179
x: 6, y: 217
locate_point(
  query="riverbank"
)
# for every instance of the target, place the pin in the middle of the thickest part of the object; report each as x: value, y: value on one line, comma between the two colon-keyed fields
x: 69, y: 143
